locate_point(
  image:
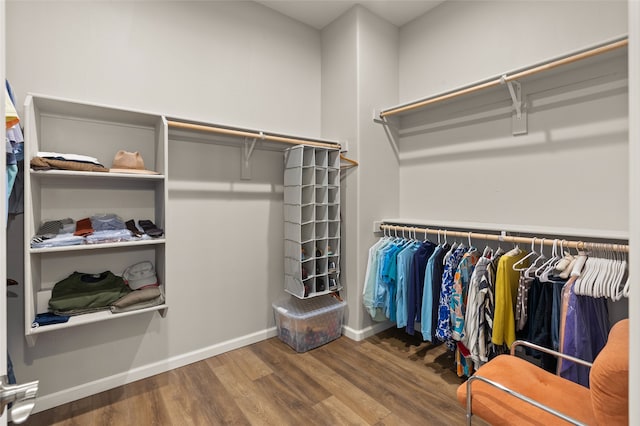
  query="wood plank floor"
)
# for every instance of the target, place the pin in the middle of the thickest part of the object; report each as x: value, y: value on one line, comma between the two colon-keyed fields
x: 388, y: 379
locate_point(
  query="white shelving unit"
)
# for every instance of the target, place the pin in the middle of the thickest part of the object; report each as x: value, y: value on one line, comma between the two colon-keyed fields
x: 65, y: 126
x: 312, y: 221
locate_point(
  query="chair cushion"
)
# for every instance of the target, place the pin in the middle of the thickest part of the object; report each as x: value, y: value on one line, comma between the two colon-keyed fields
x: 609, y: 378
x: 499, y: 408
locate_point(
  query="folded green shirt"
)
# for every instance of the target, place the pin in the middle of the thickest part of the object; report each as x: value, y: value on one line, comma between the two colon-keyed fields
x: 81, y: 291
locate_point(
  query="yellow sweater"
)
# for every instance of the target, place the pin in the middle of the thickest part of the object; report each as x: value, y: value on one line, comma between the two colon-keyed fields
x: 506, y: 290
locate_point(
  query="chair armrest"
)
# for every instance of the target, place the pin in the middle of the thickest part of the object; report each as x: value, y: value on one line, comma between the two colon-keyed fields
x: 515, y: 395
x: 548, y: 351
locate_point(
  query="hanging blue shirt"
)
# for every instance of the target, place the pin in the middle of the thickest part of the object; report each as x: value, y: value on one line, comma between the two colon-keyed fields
x: 405, y: 263
x: 427, y: 295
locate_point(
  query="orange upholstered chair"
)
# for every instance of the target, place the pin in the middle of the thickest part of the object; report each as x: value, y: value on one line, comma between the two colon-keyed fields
x: 511, y: 391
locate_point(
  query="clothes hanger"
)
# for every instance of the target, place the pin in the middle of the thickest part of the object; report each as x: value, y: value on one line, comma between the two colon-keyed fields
x: 538, y: 261
x: 622, y: 288
x: 610, y: 266
x: 470, y: 248
x: 616, y: 288
x: 602, y: 282
x: 543, y: 272
x: 590, y: 273
x: 449, y: 253
x: 581, y: 272
x: 595, y: 262
x: 566, y: 258
x: 488, y: 251
x: 516, y: 266
x: 627, y: 288
x: 580, y: 260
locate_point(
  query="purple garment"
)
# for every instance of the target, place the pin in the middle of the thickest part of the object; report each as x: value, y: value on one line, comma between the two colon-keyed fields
x: 585, y: 334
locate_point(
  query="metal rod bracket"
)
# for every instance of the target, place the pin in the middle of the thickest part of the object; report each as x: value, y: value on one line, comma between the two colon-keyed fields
x: 247, y: 151
x: 377, y: 118
x: 519, y: 114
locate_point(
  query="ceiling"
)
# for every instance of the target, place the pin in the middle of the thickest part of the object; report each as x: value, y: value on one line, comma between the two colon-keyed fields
x: 319, y: 13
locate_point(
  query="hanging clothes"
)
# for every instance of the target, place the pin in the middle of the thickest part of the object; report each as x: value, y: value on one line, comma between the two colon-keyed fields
x: 416, y: 284
x: 443, y: 331
x: 388, y: 277
x: 504, y: 330
x: 14, y: 155
x: 458, y: 308
x: 540, y: 304
x: 479, y: 312
x: 585, y: 334
x: 369, y: 290
x: 405, y: 261
x: 431, y: 292
x: 477, y: 304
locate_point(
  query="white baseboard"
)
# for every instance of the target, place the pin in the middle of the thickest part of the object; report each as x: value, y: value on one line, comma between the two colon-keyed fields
x: 72, y: 394
x: 359, y: 335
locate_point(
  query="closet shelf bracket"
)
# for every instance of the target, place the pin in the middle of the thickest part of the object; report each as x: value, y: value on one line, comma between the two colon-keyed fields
x: 519, y: 114
x: 247, y: 151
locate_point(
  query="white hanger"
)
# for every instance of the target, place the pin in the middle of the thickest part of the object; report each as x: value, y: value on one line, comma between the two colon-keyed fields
x: 610, y: 272
x: 451, y: 249
x: 581, y: 270
x: 488, y: 252
x: 590, y: 284
x: 535, y: 264
x: 550, y: 265
x: 470, y: 247
x: 627, y: 288
x: 602, y: 282
x: 580, y: 261
x: 521, y: 261
x: 617, y: 286
x: 590, y: 273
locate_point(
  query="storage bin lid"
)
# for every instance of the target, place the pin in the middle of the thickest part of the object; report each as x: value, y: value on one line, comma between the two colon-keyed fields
x: 303, y: 308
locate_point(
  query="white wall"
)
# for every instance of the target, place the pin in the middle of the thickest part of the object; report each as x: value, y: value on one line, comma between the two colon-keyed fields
x: 569, y: 171
x: 228, y: 62
x: 460, y: 42
x: 235, y: 63
x: 359, y: 73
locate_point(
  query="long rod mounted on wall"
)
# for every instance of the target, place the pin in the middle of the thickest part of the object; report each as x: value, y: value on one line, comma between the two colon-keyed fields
x: 505, y: 78
x: 251, y: 134
x: 579, y: 245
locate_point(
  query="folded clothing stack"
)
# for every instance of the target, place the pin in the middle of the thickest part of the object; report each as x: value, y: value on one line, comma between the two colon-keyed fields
x: 82, y: 293
x: 99, y: 228
x: 77, y: 162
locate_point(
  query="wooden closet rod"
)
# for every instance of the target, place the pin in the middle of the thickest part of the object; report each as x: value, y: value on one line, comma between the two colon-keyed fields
x: 253, y: 135
x: 579, y: 245
x: 516, y: 75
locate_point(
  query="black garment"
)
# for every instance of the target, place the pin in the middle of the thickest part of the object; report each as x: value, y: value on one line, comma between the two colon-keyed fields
x: 416, y: 284
x: 436, y: 284
x: 539, y: 323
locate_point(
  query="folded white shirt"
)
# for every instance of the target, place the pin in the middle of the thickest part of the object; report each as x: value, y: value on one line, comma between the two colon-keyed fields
x: 68, y: 157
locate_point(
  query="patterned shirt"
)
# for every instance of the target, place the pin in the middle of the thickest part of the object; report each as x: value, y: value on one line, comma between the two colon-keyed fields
x: 443, y: 332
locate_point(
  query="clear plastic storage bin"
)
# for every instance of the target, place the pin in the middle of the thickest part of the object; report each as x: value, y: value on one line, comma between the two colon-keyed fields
x: 305, y: 324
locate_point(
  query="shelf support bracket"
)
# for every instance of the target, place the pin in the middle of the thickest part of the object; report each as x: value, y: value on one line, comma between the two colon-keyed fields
x: 247, y: 151
x: 519, y: 114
